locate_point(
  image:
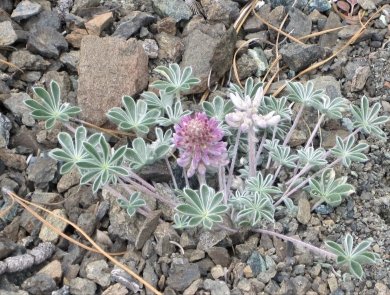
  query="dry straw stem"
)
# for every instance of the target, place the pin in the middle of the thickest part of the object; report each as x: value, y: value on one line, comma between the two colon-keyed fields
x: 11, y: 65
x: 349, y: 42
x: 24, y: 203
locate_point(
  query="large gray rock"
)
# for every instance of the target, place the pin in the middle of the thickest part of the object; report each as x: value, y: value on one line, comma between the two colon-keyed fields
x: 122, y: 70
x: 25, y: 9
x: 27, y: 61
x: 43, y: 19
x: 7, y: 34
x: 132, y: 23
x: 300, y: 56
x: 177, y: 9
x: 46, y: 41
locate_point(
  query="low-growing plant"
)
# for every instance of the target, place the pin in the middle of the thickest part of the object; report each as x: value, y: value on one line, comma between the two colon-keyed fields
x: 249, y: 128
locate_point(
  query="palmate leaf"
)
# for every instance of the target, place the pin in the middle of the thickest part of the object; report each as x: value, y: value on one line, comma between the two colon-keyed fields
x: 101, y: 166
x: 205, y: 207
x: 330, y: 108
x: 311, y: 156
x: 218, y: 109
x: 281, y: 154
x: 174, y: 115
x: 256, y: 207
x: 249, y: 90
x: 262, y: 186
x: 304, y: 95
x: 349, y: 153
x: 50, y: 109
x: 176, y: 82
x: 131, y: 206
x: 278, y: 106
x: 368, y: 119
x: 135, y: 117
x: 329, y: 189
x: 154, y: 102
x: 354, y: 257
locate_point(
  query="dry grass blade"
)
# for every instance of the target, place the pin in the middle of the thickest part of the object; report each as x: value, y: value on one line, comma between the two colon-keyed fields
x: 24, y: 204
x: 11, y: 65
x: 349, y: 42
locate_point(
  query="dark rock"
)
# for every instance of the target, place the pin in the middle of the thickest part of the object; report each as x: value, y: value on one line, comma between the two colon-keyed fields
x: 253, y: 24
x: 40, y: 284
x: 176, y: 9
x: 46, y: 41
x: 125, y: 279
x: 219, y: 256
x: 246, y: 67
x: 324, y: 209
x: 80, y: 4
x: 87, y: 222
x: 147, y: 228
x: 150, y: 276
x: 166, y: 25
x: 25, y: 9
x: 13, y: 160
x: 300, y: 56
x: 257, y: 263
x: 216, y: 287
x: 164, y: 233
x: 330, y: 39
x: 6, y: 247
x: 7, y: 5
x: 329, y: 84
x: 300, y: 4
x: 225, y: 12
x: 300, y: 24
x: 42, y: 171
x: 320, y: 5
x: 302, y: 284
x: 182, y: 274
x: 349, y: 31
x: 43, y: 19
x: 17, y: 107
x: 27, y: 61
x: 4, y: 89
x: 74, y: 21
x: 79, y: 286
x: 7, y: 34
x: 132, y: 23
x: 169, y: 47
x: 208, y: 239
x: 158, y: 172
x: 98, y: 93
x: 31, y: 77
x: 5, y: 127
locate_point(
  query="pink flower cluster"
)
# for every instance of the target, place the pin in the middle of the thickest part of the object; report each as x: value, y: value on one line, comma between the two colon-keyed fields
x: 200, y: 145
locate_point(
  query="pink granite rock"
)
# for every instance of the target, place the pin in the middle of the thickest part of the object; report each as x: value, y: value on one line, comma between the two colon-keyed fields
x: 108, y: 69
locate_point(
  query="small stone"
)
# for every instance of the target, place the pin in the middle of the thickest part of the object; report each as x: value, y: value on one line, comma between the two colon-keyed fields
x: 80, y: 4
x: 25, y: 9
x: 217, y: 272
x: 191, y: 290
x: 360, y: 78
x: 43, y: 19
x: 76, y: 37
x: 299, y: 56
x: 7, y: 34
x: 98, y: 272
x: 256, y: 263
x: 302, y: 284
x: 42, y: 171
x: 197, y: 255
x: 116, y: 289
x: 48, y: 235
x: 31, y: 77
x: 176, y: 9
x: 28, y: 61
x: 367, y: 4
x: 13, y: 160
x: 69, y: 180
x: 147, y: 228
x: 381, y: 289
x: 303, y: 215
x: 41, y: 283
x: 219, y: 255
x: 47, y: 41
x: 5, y: 127
x: 167, y: 25
x: 79, y: 286
x: 248, y: 272
x: 151, y: 48
x: 16, y: 105
x: 96, y: 25
x: 333, y: 285
x: 53, y: 270
x: 169, y: 47
x: 182, y: 274
x: 87, y: 222
x: 132, y: 23
x: 216, y: 287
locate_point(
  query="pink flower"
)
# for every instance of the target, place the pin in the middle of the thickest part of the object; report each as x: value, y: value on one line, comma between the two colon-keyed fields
x: 200, y: 145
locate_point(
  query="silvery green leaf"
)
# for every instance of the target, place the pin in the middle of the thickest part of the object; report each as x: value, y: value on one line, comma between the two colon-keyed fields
x: 50, y: 109
x: 218, y: 109
x: 278, y: 106
x: 368, y: 119
x: 176, y: 81
x: 181, y: 222
x: 249, y: 90
x: 203, y: 207
x: 304, y: 95
x: 256, y: 207
x: 349, y: 153
x: 281, y: 154
x: 262, y: 186
x: 311, y: 156
x: 330, y: 108
x: 174, y: 115
x: 140, y: 154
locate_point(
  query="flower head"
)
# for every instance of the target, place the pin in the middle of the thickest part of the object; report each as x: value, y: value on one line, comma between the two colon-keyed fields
x: 200, y: 145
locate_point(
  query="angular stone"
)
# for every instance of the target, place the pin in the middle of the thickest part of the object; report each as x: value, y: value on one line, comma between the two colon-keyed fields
x: 25, y: 9
x: 151, y: 48
x: 219, y: 256
x: 169, y: 47
x: 182, y: 274
x: 13, y: 160
x: 80, y: 4
x: 147, y: 228
x: 28, y: 61
x: 300, y: 24
x: 42, y: 171
x: 216, y: 287
x: 17, y: 107
x: 127, y: 64
x: 303, y: 215
x: 47, y: 41
x: 176, y: 9
x: 7, y: 34
x: 39, y: 284
x: 5, y: 127
x: 167, y: 25
x: 79, y: 286
x: 76, y: 37
x: 132, y: 23
x: 53, y: 270
x: 98, y: 272
x: 43, y: 19
x: 96, y: 25
x: 300, y: 56
x: 225, y: 12
x: 47, y: 234
x: 70, y: 60
x: 330, y: 39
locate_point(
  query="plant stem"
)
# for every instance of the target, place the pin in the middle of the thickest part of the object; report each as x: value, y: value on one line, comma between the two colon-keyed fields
x: 297, y: 242
x: 314, y: 131
x: 139, y: 179
x: 251, y: 152
x: 232, y: 163
x: 269, y: 158
x: 170, y: 171
x: 67, y: 125
x: 289, y: 134
x: 260, y: 147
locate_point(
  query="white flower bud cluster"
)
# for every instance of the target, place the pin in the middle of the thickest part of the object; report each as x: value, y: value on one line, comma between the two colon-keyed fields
x: 246, y: 115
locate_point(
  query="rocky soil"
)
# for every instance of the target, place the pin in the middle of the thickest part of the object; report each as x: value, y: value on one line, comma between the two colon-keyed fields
x: 100, y: 50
